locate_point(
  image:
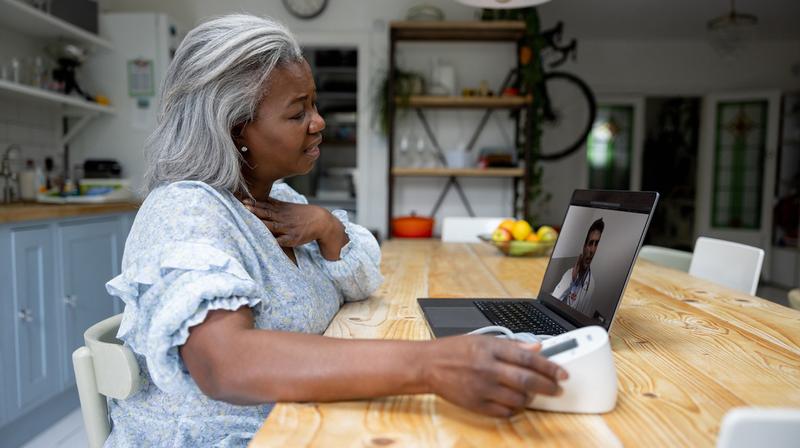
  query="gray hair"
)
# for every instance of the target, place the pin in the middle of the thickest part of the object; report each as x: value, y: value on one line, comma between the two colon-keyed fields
x: 213, y: 85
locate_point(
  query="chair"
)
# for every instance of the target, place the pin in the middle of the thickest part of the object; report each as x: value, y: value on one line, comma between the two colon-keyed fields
x: 734, y: 265
x: 754, y: 427
x: 794, y: 299
x: 103, y: 368
x: 664, y: 256
x: 466, y: 230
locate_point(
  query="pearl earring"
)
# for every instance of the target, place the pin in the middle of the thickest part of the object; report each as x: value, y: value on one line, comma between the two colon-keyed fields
x: 244, y: 149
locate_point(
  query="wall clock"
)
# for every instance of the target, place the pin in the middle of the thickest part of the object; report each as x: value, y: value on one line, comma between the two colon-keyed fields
x: 305, y: 9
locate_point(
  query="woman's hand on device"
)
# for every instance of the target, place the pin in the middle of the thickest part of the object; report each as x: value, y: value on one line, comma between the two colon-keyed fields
x: 490, y: 375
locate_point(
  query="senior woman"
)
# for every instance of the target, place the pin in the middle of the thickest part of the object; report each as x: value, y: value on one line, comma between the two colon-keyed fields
x: 229, y: 277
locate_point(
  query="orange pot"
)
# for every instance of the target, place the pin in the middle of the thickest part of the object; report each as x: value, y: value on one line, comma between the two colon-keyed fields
x: 412, y: 227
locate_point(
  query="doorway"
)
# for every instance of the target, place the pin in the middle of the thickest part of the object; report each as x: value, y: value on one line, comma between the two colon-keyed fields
x: 331, y: 183
x: 669, y: 166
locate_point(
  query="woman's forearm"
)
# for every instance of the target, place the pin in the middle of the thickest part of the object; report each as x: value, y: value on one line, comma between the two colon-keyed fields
x: 303, y: 367
x: 257, y: 366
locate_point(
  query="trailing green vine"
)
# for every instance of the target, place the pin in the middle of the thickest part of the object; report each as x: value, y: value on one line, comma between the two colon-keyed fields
x: 530, y: 82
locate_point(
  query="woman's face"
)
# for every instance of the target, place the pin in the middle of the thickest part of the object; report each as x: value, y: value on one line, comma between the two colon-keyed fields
x: 284, y: 138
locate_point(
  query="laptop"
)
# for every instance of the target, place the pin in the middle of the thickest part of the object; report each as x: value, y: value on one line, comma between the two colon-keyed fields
x: 586, y: 276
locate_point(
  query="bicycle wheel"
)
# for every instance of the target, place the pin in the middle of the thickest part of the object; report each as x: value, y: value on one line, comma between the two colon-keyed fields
x: 569, y: 113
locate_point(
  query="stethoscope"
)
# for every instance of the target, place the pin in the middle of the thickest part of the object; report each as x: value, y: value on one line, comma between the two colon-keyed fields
x: 587, y: 280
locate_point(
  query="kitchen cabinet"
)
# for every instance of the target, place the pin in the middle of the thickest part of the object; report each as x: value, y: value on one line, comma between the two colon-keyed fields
x: 90, y: 256
x: 53, y: 276
x: 30, y: 366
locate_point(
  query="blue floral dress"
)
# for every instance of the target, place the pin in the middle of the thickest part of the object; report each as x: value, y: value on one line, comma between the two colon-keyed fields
x: 193, y: 249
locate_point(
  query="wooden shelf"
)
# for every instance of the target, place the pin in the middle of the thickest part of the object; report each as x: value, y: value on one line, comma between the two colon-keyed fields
x: 473, y: 30
x: 26, y: 19
x: 73, y: 103
x: 465, y: 102
x: 459, y: 172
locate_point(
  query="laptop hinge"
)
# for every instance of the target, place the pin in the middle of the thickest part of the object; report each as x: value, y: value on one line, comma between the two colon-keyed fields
x: 560, y: 314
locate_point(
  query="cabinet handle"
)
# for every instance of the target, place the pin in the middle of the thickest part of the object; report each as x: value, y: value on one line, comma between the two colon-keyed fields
x: 25, y: 315
x: 71, y: 300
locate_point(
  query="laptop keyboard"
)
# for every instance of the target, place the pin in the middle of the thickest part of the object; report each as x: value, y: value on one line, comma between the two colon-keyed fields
x: 519, y: 317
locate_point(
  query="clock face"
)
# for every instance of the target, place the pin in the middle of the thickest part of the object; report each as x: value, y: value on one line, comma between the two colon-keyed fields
x: 305, y: 9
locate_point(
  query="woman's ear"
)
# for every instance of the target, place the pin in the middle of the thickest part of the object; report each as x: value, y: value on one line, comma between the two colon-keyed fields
x: 237, y: 134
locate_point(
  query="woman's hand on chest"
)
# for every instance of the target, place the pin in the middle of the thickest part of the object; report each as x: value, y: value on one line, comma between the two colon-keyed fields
x: 297, y: 224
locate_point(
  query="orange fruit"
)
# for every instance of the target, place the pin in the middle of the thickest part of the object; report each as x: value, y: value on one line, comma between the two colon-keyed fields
x: 507, y: 224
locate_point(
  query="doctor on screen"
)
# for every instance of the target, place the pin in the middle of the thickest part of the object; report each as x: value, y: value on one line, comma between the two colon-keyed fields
x: 577, y: 285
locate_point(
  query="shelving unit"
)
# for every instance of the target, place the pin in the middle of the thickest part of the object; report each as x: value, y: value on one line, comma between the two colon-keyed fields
x: 457, y: 31
x: 459, y: 172
x: 465, y: 102
x: 72, y: 105
x: 24, y: 18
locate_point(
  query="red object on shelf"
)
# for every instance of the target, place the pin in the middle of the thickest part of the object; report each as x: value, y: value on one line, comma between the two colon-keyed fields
x: 412, y: 227
x: 511, y: 91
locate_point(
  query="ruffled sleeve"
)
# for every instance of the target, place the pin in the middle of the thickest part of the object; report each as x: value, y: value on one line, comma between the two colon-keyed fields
x: 170, y: 290
x: 357, y: 272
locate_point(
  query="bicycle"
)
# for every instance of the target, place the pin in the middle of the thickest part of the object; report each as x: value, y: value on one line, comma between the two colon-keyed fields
x: 566, y: 100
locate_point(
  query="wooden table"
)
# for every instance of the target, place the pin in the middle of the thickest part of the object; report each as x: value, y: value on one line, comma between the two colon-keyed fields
x: 686, y: 352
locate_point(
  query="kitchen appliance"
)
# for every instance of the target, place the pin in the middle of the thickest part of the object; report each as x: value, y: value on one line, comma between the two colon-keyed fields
x: 120, y: 137
x: 101, y: 169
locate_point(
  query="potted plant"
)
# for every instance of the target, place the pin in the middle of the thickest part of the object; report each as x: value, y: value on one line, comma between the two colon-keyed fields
x: 406, y: 84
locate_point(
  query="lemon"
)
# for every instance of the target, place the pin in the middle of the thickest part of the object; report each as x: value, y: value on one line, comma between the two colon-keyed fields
x: 521, y: 230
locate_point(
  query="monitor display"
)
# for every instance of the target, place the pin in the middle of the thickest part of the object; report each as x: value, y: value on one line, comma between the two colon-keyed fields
x: 592, y: 259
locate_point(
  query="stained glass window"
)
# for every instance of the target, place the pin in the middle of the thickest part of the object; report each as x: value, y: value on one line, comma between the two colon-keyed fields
x: 609, y: 148
x: 739, y: 164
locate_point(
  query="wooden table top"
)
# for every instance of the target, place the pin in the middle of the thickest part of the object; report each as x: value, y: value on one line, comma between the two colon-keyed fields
x: 686, y: 352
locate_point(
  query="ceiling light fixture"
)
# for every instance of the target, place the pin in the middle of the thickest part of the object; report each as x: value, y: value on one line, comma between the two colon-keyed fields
x: 502, y: 4
x: 730, y: 32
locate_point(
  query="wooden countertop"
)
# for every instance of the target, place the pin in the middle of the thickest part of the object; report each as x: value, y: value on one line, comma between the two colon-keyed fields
x: 686, y: 352
x: 31, y: 211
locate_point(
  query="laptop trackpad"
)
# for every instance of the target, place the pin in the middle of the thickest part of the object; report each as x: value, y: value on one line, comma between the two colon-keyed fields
x: 452, y: 316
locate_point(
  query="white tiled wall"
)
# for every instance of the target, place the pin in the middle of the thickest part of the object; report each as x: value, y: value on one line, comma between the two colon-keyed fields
x: 35, y: 127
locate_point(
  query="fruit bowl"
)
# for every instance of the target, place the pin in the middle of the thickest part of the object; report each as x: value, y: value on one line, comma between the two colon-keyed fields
x: 516, y: 248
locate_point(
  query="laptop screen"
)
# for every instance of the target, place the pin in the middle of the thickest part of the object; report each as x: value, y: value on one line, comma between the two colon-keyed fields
x: 594, y: 255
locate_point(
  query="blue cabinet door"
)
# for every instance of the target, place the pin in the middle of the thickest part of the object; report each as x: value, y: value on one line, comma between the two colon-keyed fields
x: 6, y: 324
x: 36, y: 371
x: 89, y: 256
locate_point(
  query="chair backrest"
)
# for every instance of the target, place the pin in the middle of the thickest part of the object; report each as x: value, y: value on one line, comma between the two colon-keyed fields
x: 748, y: 427
x: 734, y: 265
x: 794, y: 298
x: 466, y: 230
x: 664, y: 256
x: 103, y: 368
